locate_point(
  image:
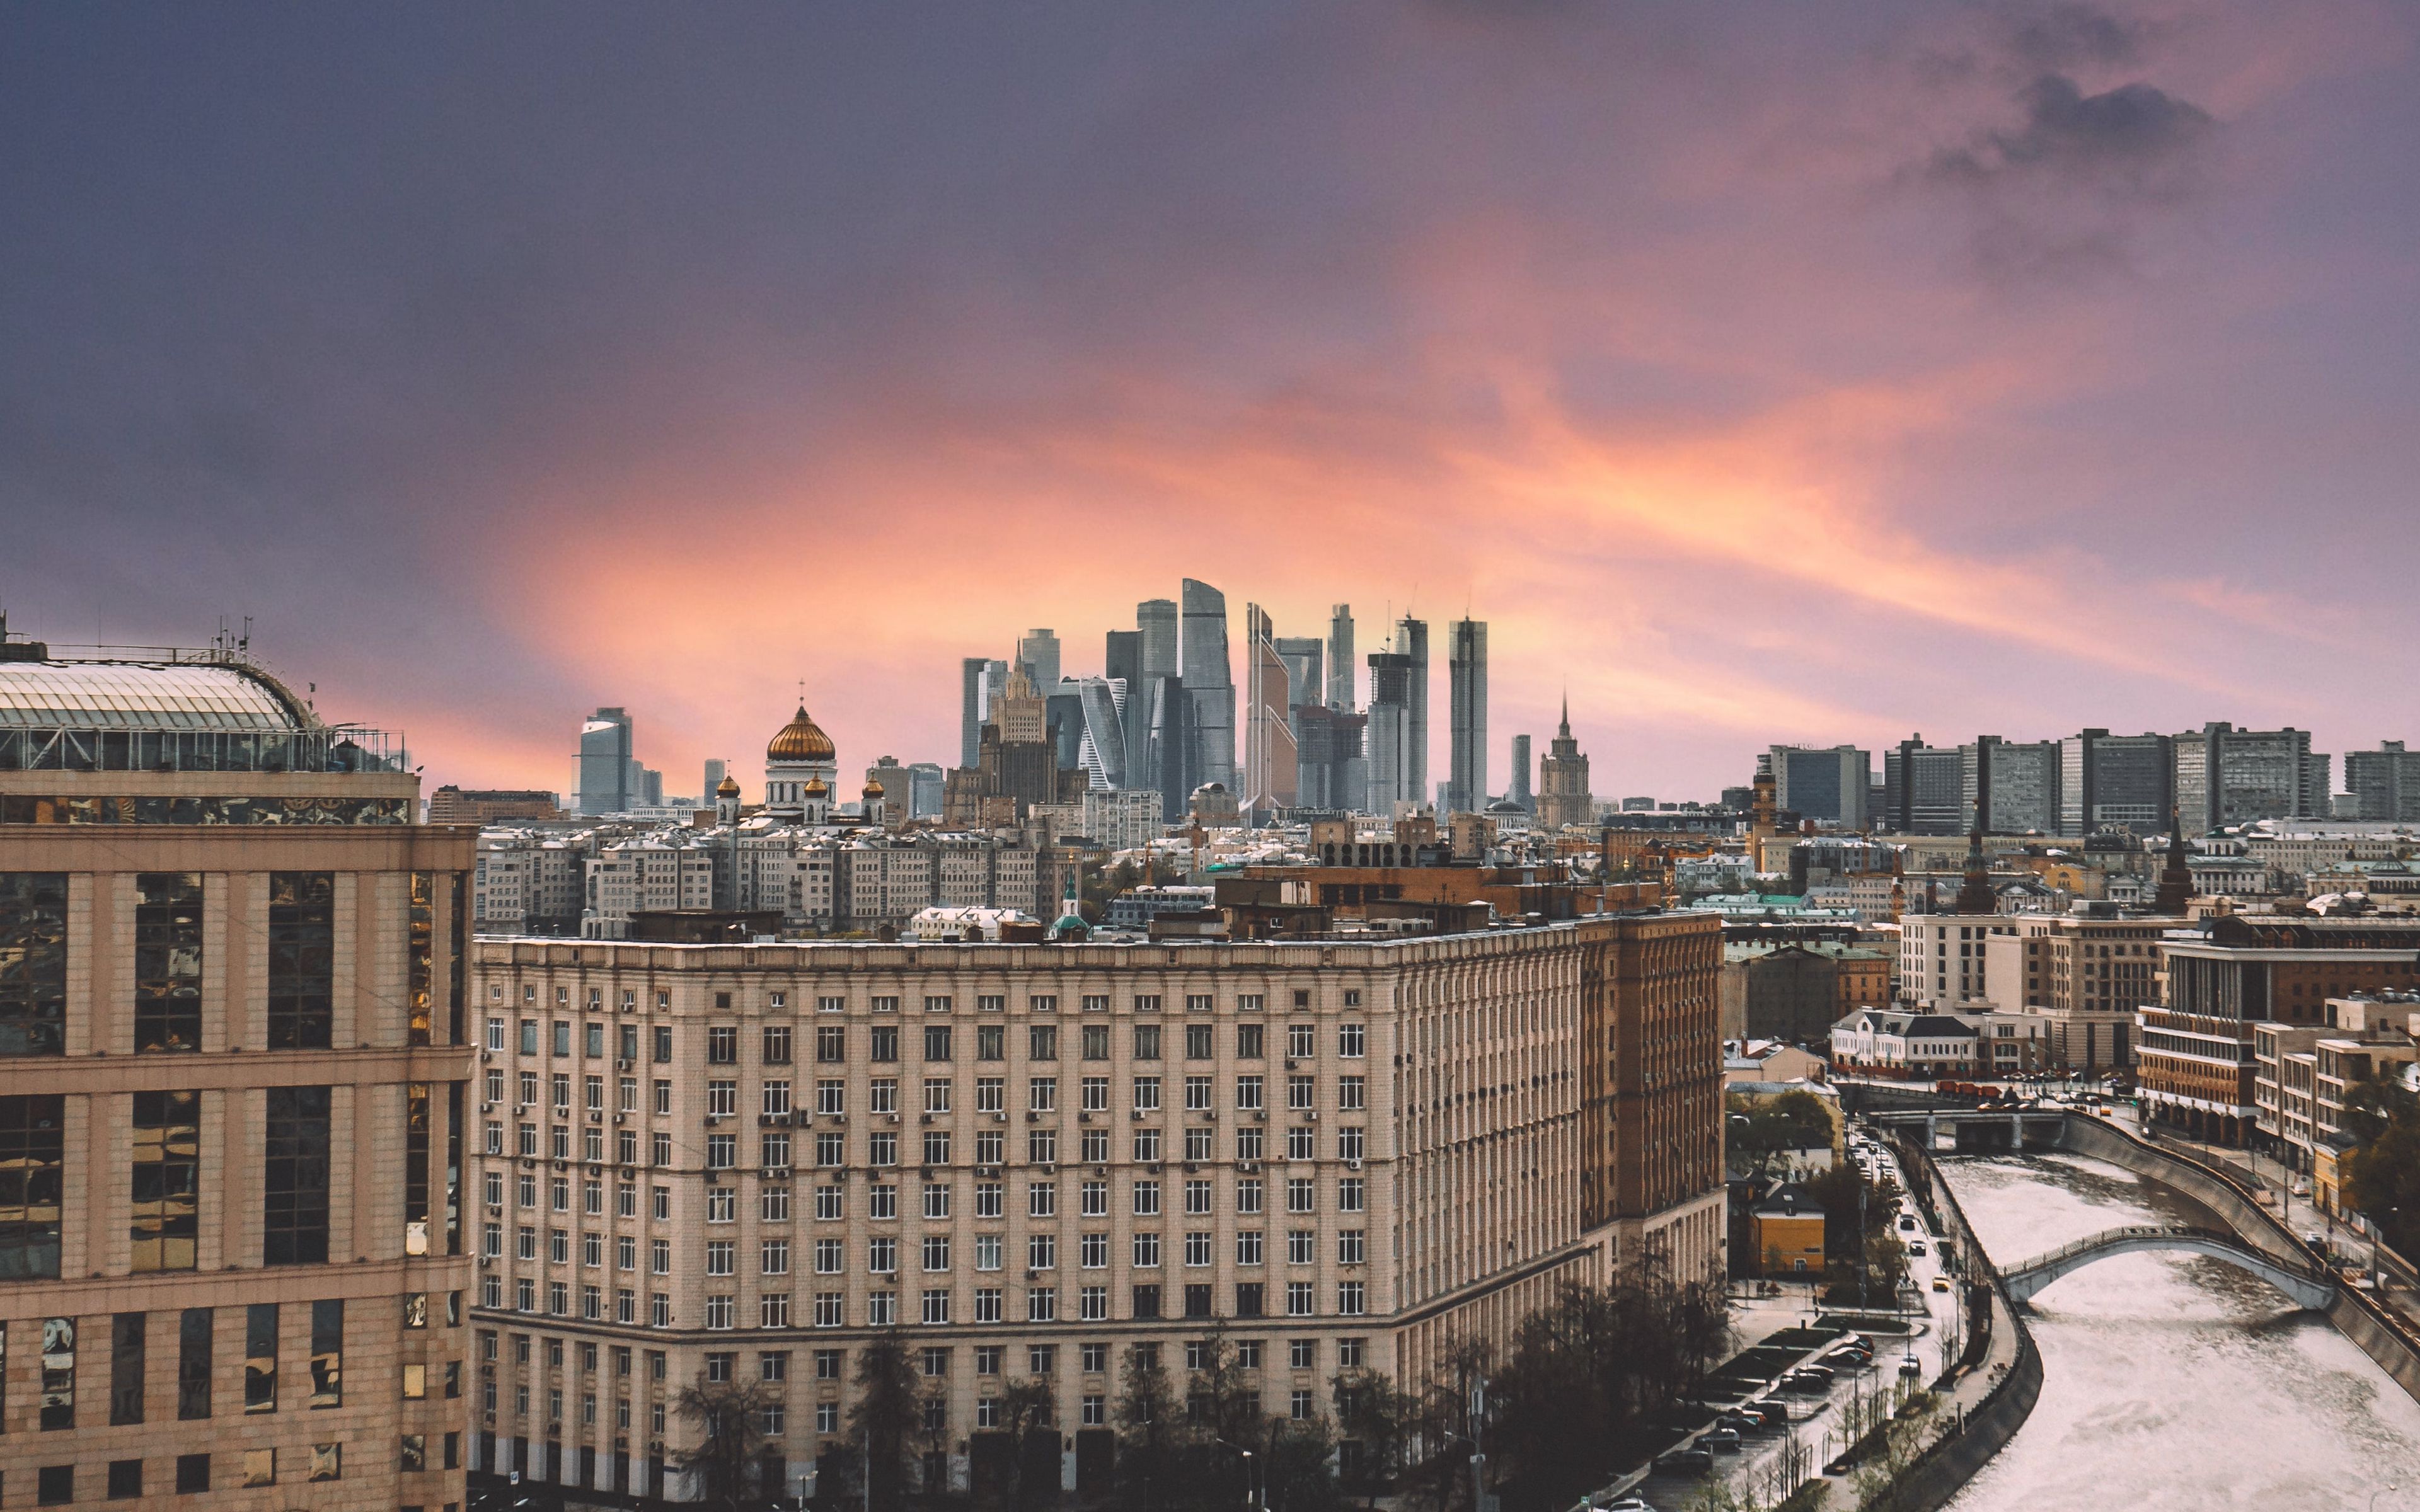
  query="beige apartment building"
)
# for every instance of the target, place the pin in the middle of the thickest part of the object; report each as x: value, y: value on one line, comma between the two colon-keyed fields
x: 701, y: 1162
x: 232, y: 1066
x: 2085, y: 975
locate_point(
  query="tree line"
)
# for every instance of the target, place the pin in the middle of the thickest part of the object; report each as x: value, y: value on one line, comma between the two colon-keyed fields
x: 1577, y: 1395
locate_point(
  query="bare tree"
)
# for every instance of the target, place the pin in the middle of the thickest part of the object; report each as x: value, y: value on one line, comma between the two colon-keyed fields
x: 730, y: 1414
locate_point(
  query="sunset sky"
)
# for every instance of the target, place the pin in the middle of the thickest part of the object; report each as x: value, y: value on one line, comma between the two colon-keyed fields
x: 1763, y: 373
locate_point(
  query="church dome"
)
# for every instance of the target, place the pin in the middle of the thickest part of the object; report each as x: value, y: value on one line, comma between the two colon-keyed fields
x: 815, y: 787
x: 873, y: 787
x: 800, y: 740
x: 726, y: 789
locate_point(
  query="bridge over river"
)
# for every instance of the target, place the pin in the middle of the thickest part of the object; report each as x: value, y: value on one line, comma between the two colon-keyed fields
x: 2176, y: 1377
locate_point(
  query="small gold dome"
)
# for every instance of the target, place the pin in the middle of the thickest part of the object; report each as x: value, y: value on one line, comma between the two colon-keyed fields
x: 816, y: 788
x: 873, y: 787
x: 800, y: 740
x: 726, y: 789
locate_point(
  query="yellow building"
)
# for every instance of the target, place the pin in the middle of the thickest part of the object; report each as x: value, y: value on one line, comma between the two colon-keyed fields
x: 1788, y: 1228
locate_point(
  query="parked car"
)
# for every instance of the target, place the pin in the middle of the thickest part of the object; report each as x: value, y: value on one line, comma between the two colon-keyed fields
x: 1741, y: 1423
x: 1776, y: 1415
x: 1628, y: 1504
x: 1907, y: 1223
x: 1915, y: 1247
x: 1940, y: 1283
x: 1721, y: 1440
x: 1690, y: 1462
x: 1909, y: 1370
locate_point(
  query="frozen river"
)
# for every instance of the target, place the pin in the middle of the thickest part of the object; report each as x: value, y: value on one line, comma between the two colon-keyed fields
x: 2173, y: 1382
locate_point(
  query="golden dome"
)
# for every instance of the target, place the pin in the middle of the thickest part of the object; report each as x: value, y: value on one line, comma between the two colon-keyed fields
x: 816, y: 788
x: 873, y: 787
x: 726, y: 789
x: 801, y: 741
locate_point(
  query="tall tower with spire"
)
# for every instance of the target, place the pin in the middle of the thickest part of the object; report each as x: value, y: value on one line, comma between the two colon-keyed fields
x: 1563, y: 795
x: 2176, y: 887
x: 1975, y: 894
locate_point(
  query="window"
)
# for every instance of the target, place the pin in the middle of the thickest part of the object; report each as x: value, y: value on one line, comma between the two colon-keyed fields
x: 831, y: 1043
x: 1302, y: 1246
x: 1042, y: 1200
x: 1096, y: 1042
x: 1301, y: 1092
x: 1042, y: 1041
x: 990, y: 1094
x: 1146, y: 1300
x: 193, y: 1330
x: 936, y: 1094
x: 991, y: 1042
x: 1248, y: 1246
x: 260, y: 1358
x: 294, y: 1182
x: 32, y: 1177
x: 722, y: 1044
x: 1146, y: 1041
x: 302, y: 959
x: 1348, y: 1298
x: 1042, y: 1094
x: 1301, y: 1143
x: 1352, y: 1093
x: 327, y: 1354
x: 1197, y: 1095
x: 1146, y: 1094
x: 1146, y: 1250
x: 777, y: 1043
x: 1248, y: 1093
x: 1197, y: 1041
x: 1097, y: 1094
x: 1348, y: 1144
x: 1197, y: 1249
x: 192, y: 1473
x: 167, y: 962
x: 125, y: 1360
x: 1200, y: 1002
x: 937, y: 1199
x: 1349, y: 1195
x: 936, y: 1040
x: 1249, y: 1041
x: 1146, y: 1198
x: 1302, y: 1195
x: 1350, y: 1039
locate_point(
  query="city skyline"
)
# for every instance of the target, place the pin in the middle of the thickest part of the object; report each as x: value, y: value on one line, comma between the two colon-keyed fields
x: 1932, y: 395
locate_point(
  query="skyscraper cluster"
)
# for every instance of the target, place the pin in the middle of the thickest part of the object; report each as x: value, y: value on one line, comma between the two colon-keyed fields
x: 1164, y: 715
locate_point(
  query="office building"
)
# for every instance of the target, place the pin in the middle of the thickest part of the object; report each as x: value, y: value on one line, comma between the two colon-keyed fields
x: 981, y: 681
x: 605, y: 762
x: 2385, y: 784
x: 1209, y: 682
x: 1924, y: 789
x: 1269, y: 766
x: 1159, y: 624
x: 1563, y: 795
x: 2010, y: 787
x: 1029, y: 1157
x: 1123, y: 666
x: 2126, y: 781
x: 232, y: 1027
x: 1038, y: 653
x: 1830, y: 785
x: 1329, y: 770
x: 1467, y: 717
x: 716, y: 769
x: 1170, y: 751
x: 1339, y: 659
x: 1390, y: 735
x: 1101, y: 743
x: 1412, y: 644
x: 1519, y: 791
x: 2194, y: 1050
x: 2224, y: 776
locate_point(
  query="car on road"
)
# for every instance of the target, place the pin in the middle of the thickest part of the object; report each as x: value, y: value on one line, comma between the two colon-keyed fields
x: 1772, y: 1413
x: 1915, y: 1247
x: 1690, y: 1462
x: 1909, y: 1370
x: 1627, y: 1504
x: 1741, y: 1423
x: 1907, y: 1223
x: 1940, y: 1283
x: 1721, y: 1440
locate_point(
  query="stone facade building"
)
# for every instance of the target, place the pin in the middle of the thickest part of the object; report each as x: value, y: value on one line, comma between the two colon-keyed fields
x: 749, y: 1161
x: 232, y: 1069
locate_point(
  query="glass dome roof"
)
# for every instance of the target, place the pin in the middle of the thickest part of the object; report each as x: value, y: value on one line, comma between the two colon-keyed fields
x: 122, y: 695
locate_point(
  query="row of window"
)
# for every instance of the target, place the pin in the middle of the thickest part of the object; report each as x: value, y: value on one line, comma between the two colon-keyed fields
x: 882, y: 1251
x: 626, y: 998
x: 831, y: 1041
x: 1144, y: 1195
x: 775, y: 1098
x: 881, y: 1307
x: 883, y: 1149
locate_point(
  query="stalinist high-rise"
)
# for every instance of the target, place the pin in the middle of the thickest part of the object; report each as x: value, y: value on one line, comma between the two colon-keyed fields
x: 1563, y: 796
